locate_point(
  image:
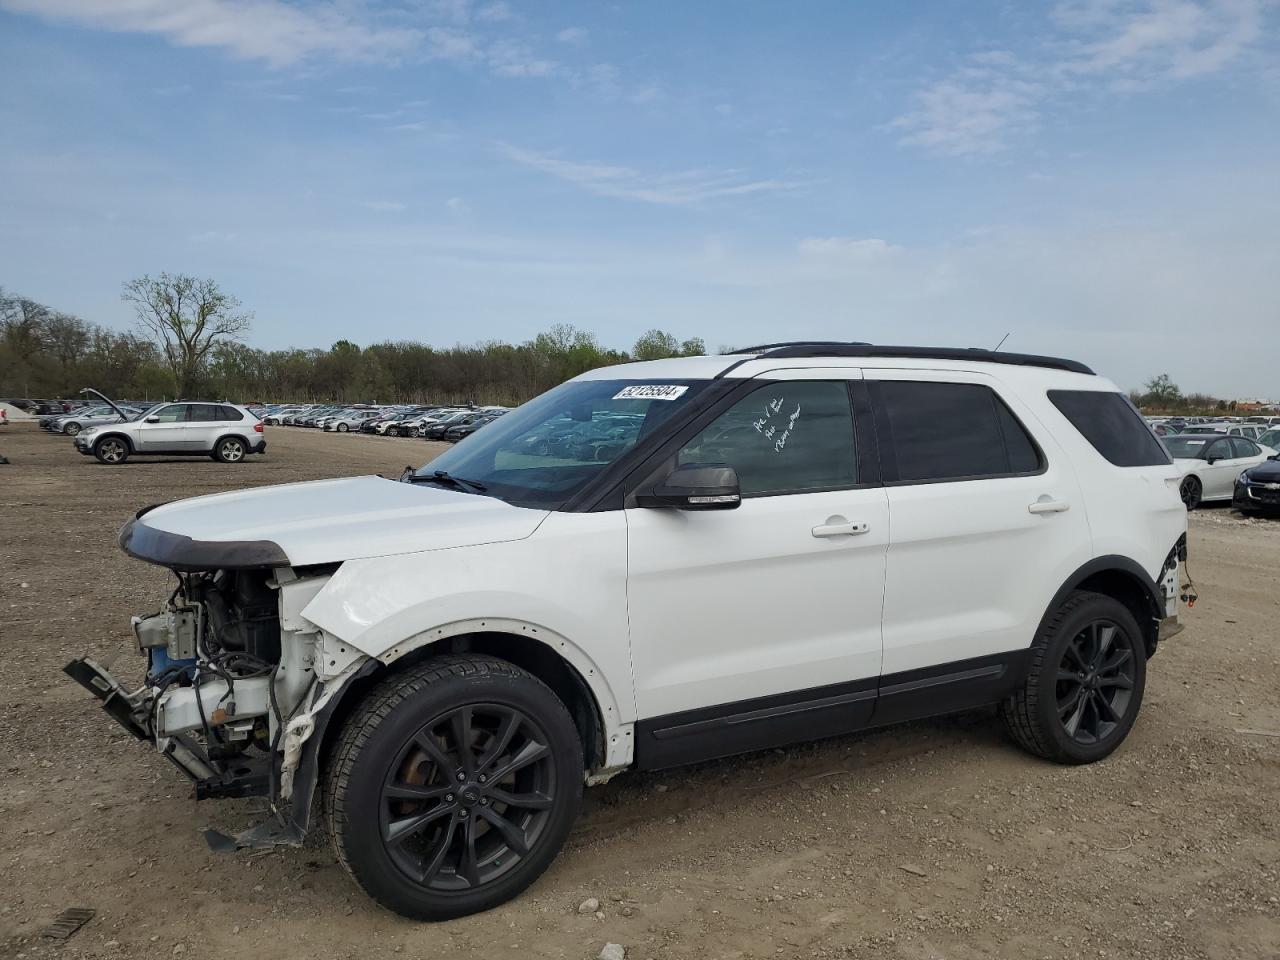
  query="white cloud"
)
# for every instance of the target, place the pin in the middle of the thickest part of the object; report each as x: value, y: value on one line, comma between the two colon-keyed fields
x: 271, y: 30
x: 446, y: 43
x: 494, y: 12
x: 576, y: 36
x: 385, y: 206
x: 672, y: 189
x: 510, y: 58
x: 1094, y: 46
x: 845, y: 248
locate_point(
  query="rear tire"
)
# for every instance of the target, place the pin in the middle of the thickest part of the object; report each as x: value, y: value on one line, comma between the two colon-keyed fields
x: 229, y: 450
x: 1085, y: 682
x: 71, y: 429
x: 342, y: 428
x: 453, y: 786
x: 111, y: 451
x: 1191, y: 491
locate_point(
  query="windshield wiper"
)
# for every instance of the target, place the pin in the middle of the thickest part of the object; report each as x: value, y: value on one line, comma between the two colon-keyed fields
x: 447, y: 479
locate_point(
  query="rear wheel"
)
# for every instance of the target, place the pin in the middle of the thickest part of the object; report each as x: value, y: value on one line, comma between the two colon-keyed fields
x: 111, y: 450
x: 453, y: 787
x: 1191, y: 491
x: 229, y: 450
x: 1085, y: 683
x: 342, y: 428
x: 71, y: 429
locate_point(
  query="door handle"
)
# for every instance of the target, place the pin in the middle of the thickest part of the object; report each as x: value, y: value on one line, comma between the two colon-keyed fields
x: 840, y: 528
x: 1045, y: 505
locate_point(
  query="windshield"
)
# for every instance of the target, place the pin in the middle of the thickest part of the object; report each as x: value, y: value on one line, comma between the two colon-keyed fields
x: 1270, y: 439
x: 1184, y: 447
x: 543, y: 453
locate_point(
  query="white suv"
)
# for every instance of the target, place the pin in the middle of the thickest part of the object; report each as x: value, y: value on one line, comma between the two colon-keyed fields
x: 224, y: 431
x: 651, y: 565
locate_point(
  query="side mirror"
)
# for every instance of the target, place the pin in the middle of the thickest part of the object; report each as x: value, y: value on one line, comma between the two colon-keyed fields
x: 696, y: 486
x: 153, y: 420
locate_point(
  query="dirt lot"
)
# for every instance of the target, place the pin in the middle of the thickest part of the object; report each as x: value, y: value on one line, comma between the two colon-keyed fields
x: 935, y: 840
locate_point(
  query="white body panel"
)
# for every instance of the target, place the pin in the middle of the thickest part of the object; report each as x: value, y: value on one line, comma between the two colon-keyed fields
x: 332, y: 520
x: 734, y: 604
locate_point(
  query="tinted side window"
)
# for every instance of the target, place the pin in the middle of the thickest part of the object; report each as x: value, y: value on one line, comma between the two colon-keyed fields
x: 174, y: 413
x: 786, y: 437
x: 229, y: 413
x: 1110, y: 422
x: 1243, y: 448
x: 1220, y: 449
x: 203, y: 413
x: 950, y: 431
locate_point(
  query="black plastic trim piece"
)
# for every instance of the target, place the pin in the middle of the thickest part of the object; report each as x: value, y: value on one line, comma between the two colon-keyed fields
x: 181, y: 553
x: 707, y: 733
x: 971, y: 354
x: 1130, y: 568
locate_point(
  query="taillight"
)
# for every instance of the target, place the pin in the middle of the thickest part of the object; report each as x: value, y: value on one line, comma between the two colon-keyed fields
x: 257, y: 428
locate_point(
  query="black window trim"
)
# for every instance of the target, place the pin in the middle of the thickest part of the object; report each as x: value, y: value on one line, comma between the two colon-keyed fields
x: 888, y: 455
x: 649, y: 469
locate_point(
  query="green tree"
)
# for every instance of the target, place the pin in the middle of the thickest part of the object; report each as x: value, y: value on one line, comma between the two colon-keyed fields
x: 187, y: 316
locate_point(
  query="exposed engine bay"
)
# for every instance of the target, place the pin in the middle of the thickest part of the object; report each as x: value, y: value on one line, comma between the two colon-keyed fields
x: 235, y: 679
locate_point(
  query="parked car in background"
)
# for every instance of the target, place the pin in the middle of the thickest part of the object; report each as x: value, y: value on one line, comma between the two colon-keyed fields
x: 224, y: 431
x: 460, y: 431
x: 1257, y: 488
x: 1210, y: 463
x: 349, y: 420
x: 1250, y: 430
x: 1270, y: 438
x: 85, y: 418
x: 436, y: 430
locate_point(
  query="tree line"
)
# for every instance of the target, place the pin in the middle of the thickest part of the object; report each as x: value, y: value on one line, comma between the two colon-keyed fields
x: 189, y: 342
x: 1160, y: 395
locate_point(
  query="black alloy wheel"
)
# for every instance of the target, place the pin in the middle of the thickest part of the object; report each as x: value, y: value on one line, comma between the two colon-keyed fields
x: 453, y: 786
x: 1191, y: 491
x: 1095, y: 681
x: 1084, y: 680
x: 468, y: 795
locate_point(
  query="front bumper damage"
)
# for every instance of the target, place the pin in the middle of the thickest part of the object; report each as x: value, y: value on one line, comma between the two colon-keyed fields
x: 232, y: 735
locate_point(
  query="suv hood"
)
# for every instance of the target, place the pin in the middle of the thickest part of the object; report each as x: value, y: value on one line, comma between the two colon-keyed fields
x: 326, y: 521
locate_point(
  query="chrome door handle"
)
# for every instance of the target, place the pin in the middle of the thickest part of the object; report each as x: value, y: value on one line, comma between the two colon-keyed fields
x: 843, y: 528
x: 1049, y: 506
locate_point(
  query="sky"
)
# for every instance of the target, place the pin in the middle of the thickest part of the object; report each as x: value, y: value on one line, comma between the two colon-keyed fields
x: 1098, y: 179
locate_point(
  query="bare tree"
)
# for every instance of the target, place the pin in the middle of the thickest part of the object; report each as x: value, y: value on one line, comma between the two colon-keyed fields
x: 187, y: 316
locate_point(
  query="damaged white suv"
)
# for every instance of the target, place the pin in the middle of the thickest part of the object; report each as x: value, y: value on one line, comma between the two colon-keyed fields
x: 651, y: 565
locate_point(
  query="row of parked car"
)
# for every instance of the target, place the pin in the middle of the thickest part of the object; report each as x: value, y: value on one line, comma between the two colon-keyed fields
x: 431, y: 422
x: 1224, y: 460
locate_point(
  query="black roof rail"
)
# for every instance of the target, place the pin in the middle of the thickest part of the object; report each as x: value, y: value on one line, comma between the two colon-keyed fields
x: 973, y: 354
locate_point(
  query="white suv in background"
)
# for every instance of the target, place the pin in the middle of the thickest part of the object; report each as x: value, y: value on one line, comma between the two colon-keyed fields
x: 651, y: 565
x: 224, y: 431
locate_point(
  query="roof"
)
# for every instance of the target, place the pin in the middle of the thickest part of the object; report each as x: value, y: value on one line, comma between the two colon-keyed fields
x: 746, y: 362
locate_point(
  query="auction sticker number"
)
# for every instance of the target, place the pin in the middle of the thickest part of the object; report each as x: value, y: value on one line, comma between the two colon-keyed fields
x: 651, y: 391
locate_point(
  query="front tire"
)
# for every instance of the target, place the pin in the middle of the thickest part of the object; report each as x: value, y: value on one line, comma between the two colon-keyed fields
x: 1191, y: 491
x: 453, y: 786
x: 111, y: 451
x: 1084, y: 686
x: 342, y: 428
x: 229, y: 450
x: 71, y: 429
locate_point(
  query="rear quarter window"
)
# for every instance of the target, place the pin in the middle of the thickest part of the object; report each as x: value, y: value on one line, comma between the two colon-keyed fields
x: 1111, y: 424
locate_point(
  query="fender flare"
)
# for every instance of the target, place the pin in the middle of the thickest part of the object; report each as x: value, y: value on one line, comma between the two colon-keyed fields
x: 1132, y: 570
x: 128, y: 441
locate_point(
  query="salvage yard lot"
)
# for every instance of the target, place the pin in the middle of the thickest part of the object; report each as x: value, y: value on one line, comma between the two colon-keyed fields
x: 938, y: 839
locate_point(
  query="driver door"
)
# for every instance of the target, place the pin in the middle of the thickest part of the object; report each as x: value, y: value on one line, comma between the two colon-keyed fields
x: 163, y: 430
x: 761, y: 625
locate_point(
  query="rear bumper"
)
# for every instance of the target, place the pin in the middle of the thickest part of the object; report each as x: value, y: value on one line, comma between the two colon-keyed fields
x: 259, y: 447
x: 1170, y: 627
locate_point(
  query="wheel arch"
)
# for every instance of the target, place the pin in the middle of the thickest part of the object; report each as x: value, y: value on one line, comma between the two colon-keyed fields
x: 588, y: 701
x: 128, y: 441
x: 1122, y: 579
x: 230, y: 435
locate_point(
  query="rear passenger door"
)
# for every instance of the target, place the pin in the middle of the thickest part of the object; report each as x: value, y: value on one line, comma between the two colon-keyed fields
x: 984, y: 510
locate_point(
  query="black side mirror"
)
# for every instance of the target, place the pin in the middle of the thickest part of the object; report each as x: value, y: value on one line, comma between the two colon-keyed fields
x: 696, y: 486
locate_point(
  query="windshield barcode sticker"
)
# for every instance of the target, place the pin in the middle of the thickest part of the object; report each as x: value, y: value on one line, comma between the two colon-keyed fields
x: 651, y: 391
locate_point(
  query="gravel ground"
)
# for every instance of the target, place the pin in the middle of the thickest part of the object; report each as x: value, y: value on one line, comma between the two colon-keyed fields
x: 935, y: 840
